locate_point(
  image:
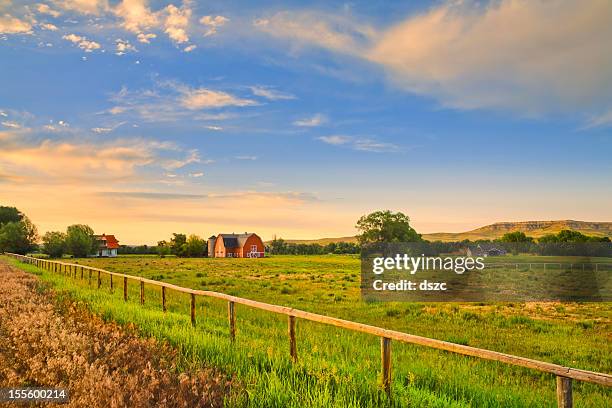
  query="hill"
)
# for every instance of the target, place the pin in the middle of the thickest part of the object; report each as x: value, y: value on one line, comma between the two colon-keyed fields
x: 534, y: 229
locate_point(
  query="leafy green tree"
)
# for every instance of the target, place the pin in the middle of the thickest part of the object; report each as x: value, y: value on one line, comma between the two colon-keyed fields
x: 18, y: 237
x: 571, y: 236
x: 178, y: 244
x: 54, y: 244
x: 278, y: 246
x: 194, y: 246
x: 548, y: 238
x: 386, y: 226
x: 80, y: 240
x: 9, y: 214
x: 516, y: 236
x: 163, y: 249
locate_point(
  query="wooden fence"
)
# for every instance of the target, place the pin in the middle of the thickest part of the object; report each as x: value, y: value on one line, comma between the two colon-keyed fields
x: 564, y: 375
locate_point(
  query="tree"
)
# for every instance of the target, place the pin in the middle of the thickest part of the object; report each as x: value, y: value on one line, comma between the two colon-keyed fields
x: 54, y: 244
x: 386, y: 226
x: 19, y: 237
x: 80, y: 240
x: 194, y: 246
x: 516, y: 236
x: 177, y: 244
x: 163, y: 249
x: 571, y: 236
x: 9, y: 214
x: 548, y: 238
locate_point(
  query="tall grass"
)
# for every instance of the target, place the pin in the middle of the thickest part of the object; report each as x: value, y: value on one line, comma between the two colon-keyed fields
x: 339, y: 368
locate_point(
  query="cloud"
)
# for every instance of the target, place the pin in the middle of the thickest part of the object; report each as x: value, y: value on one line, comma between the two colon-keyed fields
x: 270, y: 93
x: 14, y: 25
x: 119, y: 159
x: 146, y: 195
x: 196, y: 175
x: 82, y: 6
x: 177, y: 22
x: 145, y: 38
x: 190, y: 48
x: 360, y: 144
x: 137, y: 18
x: 316, y: 120
x: 245, y: 157
x: 48, y: 26
x: 83, y: 43
x: 123, y: 47
x: 45, y: 9
x: 101, y: 130
x: 602, y: 120
x: 201, y: 98
x: 211, y: 127
x: 212, y: 23
x: 169, y: 101
x: 12, y: 125
x: 175, y: 164
x: 335, y: 140
x: 311, y: 28
x: 528, y: 57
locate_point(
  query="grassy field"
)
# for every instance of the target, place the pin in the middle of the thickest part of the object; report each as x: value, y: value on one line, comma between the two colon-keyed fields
x: 341, y: 368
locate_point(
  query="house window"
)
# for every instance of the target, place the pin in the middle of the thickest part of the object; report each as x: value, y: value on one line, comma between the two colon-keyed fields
x: 253, y: 248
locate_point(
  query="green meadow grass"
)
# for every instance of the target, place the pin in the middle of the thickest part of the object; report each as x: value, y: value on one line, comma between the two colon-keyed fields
x: 339, y: 368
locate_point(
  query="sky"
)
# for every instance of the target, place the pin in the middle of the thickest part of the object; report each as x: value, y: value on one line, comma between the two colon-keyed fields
x: 292, y: 119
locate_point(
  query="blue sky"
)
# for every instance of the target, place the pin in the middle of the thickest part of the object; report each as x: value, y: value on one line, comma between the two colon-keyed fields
x: 295, y: 118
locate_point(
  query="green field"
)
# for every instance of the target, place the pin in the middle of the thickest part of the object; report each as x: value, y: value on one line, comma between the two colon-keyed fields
x: 340, y: 368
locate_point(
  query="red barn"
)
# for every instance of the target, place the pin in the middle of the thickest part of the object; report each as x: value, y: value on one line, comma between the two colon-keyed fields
x: 236, y: 246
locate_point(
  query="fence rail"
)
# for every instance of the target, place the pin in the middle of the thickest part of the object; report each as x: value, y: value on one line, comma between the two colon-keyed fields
x: 565, y: 375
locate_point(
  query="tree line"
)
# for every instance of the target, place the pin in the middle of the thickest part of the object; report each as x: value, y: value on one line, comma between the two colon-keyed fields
x: 19, y: 235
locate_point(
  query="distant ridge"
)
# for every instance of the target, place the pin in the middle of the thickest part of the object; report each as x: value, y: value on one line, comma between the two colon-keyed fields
x: 534, y: 229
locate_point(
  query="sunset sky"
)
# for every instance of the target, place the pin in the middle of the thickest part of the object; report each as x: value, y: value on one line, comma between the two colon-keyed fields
x: 142, y: 118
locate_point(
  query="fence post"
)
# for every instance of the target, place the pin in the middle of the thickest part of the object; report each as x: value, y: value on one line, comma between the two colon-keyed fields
x: 142, y: 292
x: 99, y: 280
x: 564, y: 392
x: 231, y: 314
x: 193, y: 317
x: 111, y: 283
x: 164, y: 298
x: 81, y: 273
x: 292, y: 342
x: 89, y: 279
x: 125, y: 288
x: 385, y: 353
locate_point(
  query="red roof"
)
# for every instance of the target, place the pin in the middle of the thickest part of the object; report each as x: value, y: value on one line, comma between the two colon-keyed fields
x: 111, y: 241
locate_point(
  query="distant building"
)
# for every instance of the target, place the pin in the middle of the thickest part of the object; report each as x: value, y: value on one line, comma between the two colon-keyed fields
x: 484, y: 250
x: 236, y: 246
x: 107, y: 245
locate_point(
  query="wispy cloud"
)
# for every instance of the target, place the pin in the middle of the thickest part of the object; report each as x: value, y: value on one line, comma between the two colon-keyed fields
x: 212, y: 24
x: 245, y: 158
x: 602, y: 120
x: 201, y: 98
x: 270, y: 93
x: 171, y: 101
x: 523, y: 56
x: 313, y: 121
x: 360, y: 144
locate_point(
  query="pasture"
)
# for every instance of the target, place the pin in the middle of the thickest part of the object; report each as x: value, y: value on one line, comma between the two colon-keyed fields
x: 340, y: 368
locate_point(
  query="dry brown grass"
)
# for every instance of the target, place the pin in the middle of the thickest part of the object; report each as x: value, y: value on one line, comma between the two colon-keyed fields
x: 43, y: 343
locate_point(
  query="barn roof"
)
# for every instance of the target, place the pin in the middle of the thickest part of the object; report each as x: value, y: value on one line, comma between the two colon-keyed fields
x: 108, y: 241
x: 235, y: 240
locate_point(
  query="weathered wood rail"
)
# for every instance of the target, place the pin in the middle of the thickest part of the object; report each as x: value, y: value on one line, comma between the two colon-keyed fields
x: 564, y: 375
